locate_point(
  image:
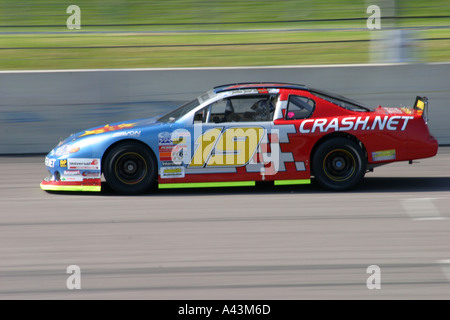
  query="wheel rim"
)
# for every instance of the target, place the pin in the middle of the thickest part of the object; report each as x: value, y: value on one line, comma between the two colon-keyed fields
x: 131, y: 168
x: 339, y: 165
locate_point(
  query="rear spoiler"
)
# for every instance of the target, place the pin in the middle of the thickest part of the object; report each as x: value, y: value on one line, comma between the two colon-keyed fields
x: 421, y: 106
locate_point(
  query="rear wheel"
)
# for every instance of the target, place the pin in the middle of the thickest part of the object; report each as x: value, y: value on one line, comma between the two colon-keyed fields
x: 339, y: 164
x: 130, y: 168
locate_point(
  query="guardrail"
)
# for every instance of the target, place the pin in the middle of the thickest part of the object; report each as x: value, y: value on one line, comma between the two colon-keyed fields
x: 37, y: 108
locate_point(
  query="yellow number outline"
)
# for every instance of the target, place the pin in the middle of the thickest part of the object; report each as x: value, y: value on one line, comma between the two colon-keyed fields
x: 202, y: 151
x: 237, y: 147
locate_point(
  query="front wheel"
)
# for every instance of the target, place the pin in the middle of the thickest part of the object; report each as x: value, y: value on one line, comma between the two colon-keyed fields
x: 130, y: 168
x: 339, y: 164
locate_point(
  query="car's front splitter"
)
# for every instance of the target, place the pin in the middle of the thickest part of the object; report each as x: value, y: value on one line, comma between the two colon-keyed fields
x: 91, y: 185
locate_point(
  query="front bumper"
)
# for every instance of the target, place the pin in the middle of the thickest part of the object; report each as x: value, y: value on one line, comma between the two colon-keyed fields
x: 92, y: 185
x: 78, y: 174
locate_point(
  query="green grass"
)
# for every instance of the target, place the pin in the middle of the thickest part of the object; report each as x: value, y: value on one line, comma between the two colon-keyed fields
x: 82, y: 50
x: 53, y: 12
x: 167, y: 33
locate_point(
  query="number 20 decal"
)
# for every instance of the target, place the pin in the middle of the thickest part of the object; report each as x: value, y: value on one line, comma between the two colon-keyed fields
x: 232, y: 147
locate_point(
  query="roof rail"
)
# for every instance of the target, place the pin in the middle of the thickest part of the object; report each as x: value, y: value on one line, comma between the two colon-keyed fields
x: 234, y: 86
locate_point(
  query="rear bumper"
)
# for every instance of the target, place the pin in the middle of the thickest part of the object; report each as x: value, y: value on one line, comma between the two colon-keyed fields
x: 423, y: 149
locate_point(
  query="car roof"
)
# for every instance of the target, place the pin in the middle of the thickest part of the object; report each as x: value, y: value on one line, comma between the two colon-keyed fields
x: 260, y: 85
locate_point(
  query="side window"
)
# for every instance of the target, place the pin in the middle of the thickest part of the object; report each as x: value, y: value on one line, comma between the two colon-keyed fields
x: 299, y: 107
x: 219, y: 111
x: 244, y: 109
x: 201, y: 115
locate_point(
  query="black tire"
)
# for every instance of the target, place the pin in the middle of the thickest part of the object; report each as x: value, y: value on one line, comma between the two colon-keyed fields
x: 130, y: 168
x: 339, y: 164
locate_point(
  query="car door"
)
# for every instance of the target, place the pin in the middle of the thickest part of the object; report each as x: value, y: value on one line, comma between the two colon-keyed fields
x: 230, y: 137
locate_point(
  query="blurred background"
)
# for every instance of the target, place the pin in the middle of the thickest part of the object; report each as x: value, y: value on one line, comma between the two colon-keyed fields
x: 136, y: 59
x: 133, y: 59
x: 205, y: 33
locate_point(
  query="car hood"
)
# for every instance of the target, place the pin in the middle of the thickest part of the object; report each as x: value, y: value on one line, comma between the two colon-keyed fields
x: 113, y: 127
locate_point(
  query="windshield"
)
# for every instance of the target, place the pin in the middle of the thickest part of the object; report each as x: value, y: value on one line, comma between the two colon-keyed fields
x: 181, y: 111
x: 340, y: 101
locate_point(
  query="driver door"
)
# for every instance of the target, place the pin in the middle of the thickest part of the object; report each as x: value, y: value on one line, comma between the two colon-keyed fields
x: 231, y: 136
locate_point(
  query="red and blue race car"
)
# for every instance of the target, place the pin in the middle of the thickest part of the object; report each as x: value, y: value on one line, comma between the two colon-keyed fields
x: 239, y: 134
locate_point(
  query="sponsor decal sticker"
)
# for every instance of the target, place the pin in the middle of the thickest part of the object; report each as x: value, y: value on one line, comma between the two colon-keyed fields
x: 72, y: 178
x: 167, y: 163
x: 174, y: 148
x: 128, y: 134
x: 108, y: 128
x: 384, y: 155
x: 164, y: 138
x: 180, y: 154
x: 165, y: 153
x: 91, y: 174
x: 172, y: 172
x: 84, y: 164
x: 179, y: 136
x: 50, y: 162
x: 71, y: 173
x: 393, y: 110
x: 391, y: 123
x: 63, y: 163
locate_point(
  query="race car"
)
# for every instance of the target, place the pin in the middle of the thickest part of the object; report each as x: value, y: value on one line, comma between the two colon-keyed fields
x: 240, y: 134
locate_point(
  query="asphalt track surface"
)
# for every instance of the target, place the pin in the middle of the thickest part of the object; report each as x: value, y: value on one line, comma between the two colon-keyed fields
x: 290, y: 242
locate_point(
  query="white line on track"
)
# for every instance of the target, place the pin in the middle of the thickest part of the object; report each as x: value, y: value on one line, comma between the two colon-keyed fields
x: 445, y: 266
x: 219, y: 68
x: 421, y: 209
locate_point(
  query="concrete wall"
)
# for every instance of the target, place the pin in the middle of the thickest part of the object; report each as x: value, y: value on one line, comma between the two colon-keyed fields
x: 39, y: 108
